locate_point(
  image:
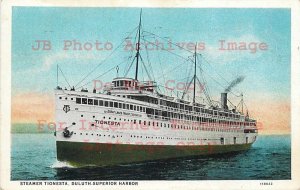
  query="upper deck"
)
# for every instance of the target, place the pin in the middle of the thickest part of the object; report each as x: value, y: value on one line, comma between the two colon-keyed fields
x: 125, y: 92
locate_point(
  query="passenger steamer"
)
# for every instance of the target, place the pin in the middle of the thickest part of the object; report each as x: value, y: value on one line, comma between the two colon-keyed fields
x: 130, y: 121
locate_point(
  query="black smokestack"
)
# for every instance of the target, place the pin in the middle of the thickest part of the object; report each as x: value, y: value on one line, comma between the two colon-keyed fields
x: 234, y: 83
x: 224, y: 101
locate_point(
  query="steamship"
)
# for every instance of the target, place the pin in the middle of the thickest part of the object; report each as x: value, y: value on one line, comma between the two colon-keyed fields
x: 131, y: 121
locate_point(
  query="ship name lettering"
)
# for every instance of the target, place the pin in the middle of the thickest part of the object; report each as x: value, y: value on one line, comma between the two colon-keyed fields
x: 107, y: 122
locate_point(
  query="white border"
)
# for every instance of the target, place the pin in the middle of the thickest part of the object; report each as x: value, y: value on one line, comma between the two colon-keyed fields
x: 6, y: 16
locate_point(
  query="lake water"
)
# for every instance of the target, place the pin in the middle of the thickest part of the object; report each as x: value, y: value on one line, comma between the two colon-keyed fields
x: 34, y: 158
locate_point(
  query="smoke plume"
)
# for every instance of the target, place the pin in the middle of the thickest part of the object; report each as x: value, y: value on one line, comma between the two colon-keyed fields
x: 234, y: 83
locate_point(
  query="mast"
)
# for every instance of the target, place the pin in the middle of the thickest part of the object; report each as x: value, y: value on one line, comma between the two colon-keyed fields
x: 138, y: 48
x: 195, y: 74
x: 242, y: 103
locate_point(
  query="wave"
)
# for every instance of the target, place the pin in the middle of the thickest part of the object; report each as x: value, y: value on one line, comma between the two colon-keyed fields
x: 60, y: 164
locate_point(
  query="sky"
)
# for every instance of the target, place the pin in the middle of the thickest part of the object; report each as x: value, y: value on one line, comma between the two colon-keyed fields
x: 266, y: 85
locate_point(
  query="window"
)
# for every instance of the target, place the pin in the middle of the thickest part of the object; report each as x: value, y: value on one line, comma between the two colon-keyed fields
x: 131, y: 107
x: 134, y: 107
x: 106, y: 104
x: 115, y: 104
x: 127, y: 106
x: 84, y: 101
x: 100, y: 103
x: 111, y: 104
x: 124, y: 106
x: 78, y: 100
x: 234, y: 140
x: 90, y: 101
x: 222, y: 141
x: 96, y: 102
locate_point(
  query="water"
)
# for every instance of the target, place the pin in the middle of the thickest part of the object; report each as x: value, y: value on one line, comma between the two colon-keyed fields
x: 34, y: 158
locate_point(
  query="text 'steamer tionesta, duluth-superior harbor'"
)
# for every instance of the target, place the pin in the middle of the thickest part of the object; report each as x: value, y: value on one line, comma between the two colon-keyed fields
x: 130, y: 121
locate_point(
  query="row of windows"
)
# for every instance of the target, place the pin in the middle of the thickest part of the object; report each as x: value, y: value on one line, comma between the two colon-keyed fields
x: 109, y: 104
x: 163, y: 103
x: 142, y: 109
x: 156, y: 112
x: 101, y: 135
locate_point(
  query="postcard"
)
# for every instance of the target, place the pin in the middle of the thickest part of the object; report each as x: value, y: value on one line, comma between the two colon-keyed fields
x: 150, y: 94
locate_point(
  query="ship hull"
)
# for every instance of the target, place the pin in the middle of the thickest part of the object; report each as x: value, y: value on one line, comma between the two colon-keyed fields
x: 102, y: 154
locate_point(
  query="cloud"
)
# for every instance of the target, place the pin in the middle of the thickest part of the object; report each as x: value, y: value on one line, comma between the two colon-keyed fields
x: 272, y: 117
x: 214, y: 53
x: 36, y: 106
x: 67, y: 57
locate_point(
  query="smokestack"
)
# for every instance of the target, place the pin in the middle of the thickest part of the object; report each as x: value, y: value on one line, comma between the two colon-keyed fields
x: 224, y: 101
